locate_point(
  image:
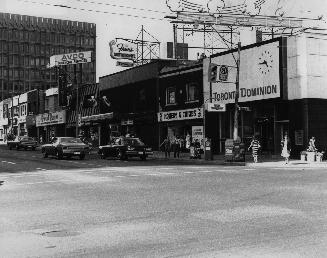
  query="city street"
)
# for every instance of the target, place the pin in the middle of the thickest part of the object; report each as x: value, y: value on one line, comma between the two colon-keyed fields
x: 158, y: 208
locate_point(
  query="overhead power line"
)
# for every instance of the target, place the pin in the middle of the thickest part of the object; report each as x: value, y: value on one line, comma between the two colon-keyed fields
x: 93, y: 10
x: 121, y: 6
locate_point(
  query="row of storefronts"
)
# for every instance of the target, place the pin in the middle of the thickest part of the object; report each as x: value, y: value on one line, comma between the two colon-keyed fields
x: 282, y: 92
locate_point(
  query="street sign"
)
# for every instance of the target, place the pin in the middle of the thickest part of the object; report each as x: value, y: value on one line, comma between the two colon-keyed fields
x: 223, y: 73
x: 70, y: 58
x: 214, y: 107
x: 245, y: 108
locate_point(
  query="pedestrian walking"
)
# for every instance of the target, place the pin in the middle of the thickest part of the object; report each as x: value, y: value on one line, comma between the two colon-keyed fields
x: 255, y: 146
x: 166, y: 146
x: 286, y: 148
x: 176, y: 147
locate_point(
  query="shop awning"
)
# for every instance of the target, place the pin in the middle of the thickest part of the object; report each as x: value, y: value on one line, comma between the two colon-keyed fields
x: 98, y: 117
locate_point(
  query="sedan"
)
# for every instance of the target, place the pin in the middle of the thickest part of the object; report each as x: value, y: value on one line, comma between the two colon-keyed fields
x: 22, y: 142
x: 125, y: 147
x: 65, y: 147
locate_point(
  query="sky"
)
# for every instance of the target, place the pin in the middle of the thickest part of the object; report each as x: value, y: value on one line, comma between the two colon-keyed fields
x: 124, y: 18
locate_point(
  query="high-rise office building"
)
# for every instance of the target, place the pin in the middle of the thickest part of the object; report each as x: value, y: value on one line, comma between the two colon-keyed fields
x: 26, y: 44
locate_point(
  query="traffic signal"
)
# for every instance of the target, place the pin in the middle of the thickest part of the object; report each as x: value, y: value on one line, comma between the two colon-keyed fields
x: 213, y: 72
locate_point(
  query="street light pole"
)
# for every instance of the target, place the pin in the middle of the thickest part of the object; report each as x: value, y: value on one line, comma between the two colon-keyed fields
x: 237, y: 92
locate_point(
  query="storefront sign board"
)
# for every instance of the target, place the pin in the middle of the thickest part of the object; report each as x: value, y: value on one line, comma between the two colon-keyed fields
x: 259, y: 75
x: 185, y: 114
x: 298, y: 136
x: 215, y: 107
x: 51, y: 118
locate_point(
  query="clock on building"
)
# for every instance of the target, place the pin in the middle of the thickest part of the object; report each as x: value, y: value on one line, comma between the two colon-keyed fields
x: 265, y: 62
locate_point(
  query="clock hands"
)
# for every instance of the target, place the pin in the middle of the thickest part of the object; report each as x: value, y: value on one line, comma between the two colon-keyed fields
x: 264, y: 62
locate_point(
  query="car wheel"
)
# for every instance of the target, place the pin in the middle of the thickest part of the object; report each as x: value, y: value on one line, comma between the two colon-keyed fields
x: 33, y: 148
x: 143, y: 157
x: 82, y: 156
x: 10, y: 147
x: 45, y: 154
x: 25, y: 148
x: 121, y: 155
x: 58, y: 155
x: 17, y: 147
x: 102, y: 155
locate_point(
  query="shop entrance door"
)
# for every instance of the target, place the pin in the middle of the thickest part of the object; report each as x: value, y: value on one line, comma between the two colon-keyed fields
x: 264, y: 130
x: 282, y: 128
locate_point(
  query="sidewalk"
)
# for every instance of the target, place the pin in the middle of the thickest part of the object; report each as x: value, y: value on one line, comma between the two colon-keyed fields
x: 268, y: 161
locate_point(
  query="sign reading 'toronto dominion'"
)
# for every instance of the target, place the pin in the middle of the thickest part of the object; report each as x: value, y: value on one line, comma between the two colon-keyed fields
x: 259, y: 75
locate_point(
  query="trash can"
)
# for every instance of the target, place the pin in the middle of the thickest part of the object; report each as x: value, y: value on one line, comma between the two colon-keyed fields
x: 311, y: 155
x: 303, y: 155
x: 319, y: 157
x: 207, y: 149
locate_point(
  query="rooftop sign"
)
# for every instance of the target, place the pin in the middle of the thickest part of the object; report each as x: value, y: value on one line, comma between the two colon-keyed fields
x: 71, y: 58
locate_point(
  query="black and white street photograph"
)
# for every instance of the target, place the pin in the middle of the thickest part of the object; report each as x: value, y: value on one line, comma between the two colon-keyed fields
x: 163, y: 128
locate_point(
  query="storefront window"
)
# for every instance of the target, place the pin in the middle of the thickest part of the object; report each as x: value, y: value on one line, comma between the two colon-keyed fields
x: 171, y: 96
x: 192, y: 92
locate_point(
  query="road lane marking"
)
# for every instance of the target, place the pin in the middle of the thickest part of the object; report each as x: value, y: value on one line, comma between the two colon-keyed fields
x: 4, y: 161
x: 134, y: 175
x: 188, y: 172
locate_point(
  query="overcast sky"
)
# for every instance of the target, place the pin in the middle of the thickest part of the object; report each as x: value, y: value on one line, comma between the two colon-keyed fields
x: 124, y: 18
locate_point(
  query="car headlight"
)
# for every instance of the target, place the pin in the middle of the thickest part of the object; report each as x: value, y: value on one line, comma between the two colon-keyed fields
x: 130, y: 148
x: 148, y: 149
x: 100, y: 148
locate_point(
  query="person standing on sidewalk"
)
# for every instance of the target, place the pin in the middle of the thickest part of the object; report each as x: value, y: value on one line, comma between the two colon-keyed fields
x: 286, y: 148
x: 176, y: 147
x: 166, y: 146
x: 255, y: 145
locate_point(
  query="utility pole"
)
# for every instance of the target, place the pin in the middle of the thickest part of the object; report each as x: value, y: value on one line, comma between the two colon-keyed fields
x: 142, y: 46
x: 237, y: 92
x: 175, y: 41
x: 77, y: 102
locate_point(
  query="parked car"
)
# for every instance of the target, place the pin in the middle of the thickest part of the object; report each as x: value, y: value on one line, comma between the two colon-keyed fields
x: 22, y: 142
x: 65, y: 147
x: 125, y: 147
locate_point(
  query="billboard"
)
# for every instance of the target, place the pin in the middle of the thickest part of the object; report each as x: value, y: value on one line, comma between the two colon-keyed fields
x: 71, y: 58
x: 259, y: 75
x: 122, y: 49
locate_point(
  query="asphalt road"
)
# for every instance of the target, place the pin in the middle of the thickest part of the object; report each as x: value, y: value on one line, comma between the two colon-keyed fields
x: 109, y: 208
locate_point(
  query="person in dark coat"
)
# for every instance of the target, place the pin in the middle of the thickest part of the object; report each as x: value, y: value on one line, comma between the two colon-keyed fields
x: 166, y: 146
x: 255, y: 145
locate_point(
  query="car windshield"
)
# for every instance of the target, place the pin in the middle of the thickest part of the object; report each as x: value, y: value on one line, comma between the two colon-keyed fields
x: 70, y: 140
x: 27, y: 139
x: 134, y: 142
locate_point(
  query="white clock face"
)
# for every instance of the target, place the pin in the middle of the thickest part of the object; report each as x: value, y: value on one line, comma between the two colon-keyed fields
x: 265, y: 62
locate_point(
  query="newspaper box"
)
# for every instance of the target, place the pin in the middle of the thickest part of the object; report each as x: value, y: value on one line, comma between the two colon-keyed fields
x: 234, y: 150
x: 207, y: 149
